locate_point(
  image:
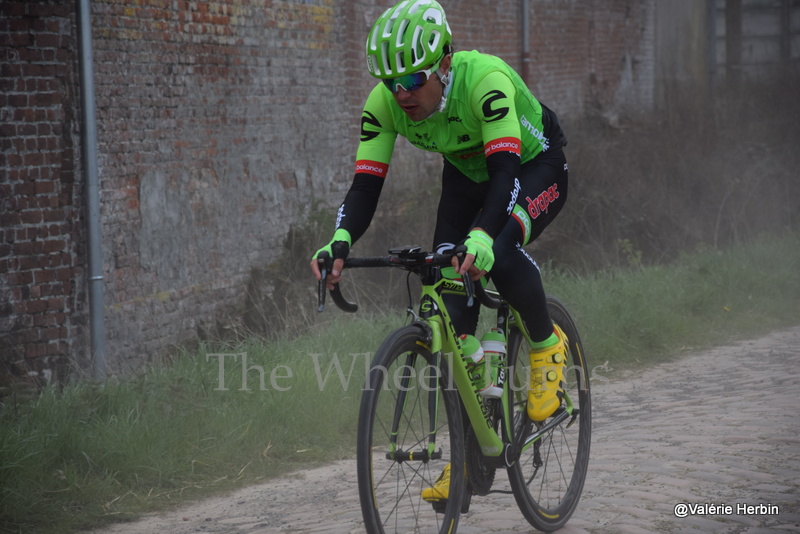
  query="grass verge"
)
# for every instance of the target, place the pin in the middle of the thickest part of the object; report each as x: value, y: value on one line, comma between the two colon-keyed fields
x: 235, y: 414
x: 644, y: 314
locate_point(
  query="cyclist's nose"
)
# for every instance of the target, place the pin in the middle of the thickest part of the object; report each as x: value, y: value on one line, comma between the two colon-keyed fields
x: 402, y: 94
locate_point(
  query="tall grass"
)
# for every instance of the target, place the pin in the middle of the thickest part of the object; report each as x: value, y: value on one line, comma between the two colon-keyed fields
x: 643, y: 313
x: 220, y: 418
x: 207, y: 422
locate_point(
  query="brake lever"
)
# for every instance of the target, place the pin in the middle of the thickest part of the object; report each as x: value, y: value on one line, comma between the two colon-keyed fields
x: 323, y: 260
x: 469, y: 285
x: 325, y: 263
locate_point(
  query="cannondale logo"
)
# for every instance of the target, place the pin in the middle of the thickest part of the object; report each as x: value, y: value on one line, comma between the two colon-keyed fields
x: 490, y: 114
x: 369, y: 118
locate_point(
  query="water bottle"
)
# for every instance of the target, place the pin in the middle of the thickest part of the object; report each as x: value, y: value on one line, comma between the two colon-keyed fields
x: 493, y: 344
x: 473, y: 352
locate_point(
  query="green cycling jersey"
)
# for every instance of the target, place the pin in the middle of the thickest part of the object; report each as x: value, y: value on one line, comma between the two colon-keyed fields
x: 487, y: 108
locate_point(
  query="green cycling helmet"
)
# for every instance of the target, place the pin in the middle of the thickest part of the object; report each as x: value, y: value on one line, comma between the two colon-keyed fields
x: 407, y: 38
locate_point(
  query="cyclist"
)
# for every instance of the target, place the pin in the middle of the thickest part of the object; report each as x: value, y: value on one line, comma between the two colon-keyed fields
x: 504, y: 177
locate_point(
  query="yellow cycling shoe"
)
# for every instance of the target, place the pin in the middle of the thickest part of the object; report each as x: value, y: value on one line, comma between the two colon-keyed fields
x: 441, y: 488
x: 547, y: 379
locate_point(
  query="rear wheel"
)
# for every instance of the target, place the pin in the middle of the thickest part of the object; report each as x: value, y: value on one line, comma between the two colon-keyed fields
x: 548, y: 478
x: 409, y: 431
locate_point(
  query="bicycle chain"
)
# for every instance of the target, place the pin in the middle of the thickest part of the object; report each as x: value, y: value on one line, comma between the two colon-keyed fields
x: 480, y: 475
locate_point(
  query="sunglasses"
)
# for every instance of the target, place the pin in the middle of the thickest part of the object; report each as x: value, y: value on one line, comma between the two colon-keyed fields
x: 411, y: 82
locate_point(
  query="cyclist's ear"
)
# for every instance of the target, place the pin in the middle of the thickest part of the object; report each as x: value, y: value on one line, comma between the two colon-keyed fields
x: 446, y: 62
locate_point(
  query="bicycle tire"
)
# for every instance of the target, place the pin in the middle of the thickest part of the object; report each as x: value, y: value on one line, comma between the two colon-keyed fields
x: 390, y: 489
x: 548, y: 479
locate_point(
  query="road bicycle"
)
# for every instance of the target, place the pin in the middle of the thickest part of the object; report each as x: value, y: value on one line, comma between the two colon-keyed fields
x: 421, y: 411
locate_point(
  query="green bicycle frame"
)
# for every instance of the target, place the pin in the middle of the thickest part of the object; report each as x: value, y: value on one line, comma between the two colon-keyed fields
x: 443, y: 346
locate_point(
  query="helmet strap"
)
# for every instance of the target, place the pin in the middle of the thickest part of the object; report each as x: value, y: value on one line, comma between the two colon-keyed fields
x: 447, y: 82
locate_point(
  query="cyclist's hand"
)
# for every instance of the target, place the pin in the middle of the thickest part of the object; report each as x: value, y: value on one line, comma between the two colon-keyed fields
x: 467, y: 266
x: 338, y: 249
x: 479, y: 258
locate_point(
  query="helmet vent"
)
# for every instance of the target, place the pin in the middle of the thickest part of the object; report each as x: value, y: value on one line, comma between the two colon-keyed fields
x: 407, y: 38
x: 387, y: 69
x: 419, y: 51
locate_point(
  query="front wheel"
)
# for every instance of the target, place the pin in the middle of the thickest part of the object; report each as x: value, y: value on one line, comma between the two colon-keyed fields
x: 547, y: 481
x: 409, y: 430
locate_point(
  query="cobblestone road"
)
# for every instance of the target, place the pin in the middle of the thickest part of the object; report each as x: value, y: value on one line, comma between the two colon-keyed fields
x: 717, y: 428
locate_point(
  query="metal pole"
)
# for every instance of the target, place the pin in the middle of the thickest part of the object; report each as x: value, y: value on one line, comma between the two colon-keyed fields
x: 786, y: 32
x: 526, y: 42
x: 712, y: 46
x: 89, y: 157
x: 733, y: 41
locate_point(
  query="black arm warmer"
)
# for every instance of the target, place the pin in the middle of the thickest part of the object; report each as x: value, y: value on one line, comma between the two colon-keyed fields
x: 360, y: 203
x: 503, y: 190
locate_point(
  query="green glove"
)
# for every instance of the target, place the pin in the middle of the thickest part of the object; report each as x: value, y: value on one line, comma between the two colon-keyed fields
x: 341, y: 250
x: 479, y: 244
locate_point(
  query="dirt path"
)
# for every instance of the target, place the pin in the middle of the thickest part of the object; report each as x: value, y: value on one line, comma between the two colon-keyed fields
x: 719, y: 428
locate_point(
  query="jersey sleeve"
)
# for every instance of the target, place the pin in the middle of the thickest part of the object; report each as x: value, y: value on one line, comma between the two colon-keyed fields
x: 372, y: 163
x: 377, y: 135
x: 493, y: 103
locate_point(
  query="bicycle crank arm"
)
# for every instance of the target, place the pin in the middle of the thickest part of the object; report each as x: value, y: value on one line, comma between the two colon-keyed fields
x: 554, y: 422
x: 413, y: 456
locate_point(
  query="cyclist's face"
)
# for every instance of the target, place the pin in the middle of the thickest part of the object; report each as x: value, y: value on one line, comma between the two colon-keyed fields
x: 420, y: 103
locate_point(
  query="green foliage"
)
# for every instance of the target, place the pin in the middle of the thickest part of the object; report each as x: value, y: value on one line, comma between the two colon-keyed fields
x: 204, y: 423
x: 702, y: 299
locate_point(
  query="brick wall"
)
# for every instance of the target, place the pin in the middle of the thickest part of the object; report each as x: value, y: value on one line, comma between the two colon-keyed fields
x: 42, y: 319
x: 585, y: 55
x: 219, y: 123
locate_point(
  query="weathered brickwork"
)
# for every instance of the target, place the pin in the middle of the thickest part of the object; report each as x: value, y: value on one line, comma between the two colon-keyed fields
x: 219, y: 123
x: 41, y: 274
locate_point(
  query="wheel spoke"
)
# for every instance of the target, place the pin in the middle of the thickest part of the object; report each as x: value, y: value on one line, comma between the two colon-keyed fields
x: 548, y: 479
x: 394, y: 461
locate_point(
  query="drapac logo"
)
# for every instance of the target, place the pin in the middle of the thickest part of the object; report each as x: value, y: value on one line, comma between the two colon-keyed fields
x: 514, y: 195
x: 521, y: 216
x: 541, y: 204
x: 504, y: 144
x: 468, y: 155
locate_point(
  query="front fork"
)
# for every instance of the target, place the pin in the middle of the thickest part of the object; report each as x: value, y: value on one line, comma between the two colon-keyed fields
x: 498, y: 449
x: 430, y: 452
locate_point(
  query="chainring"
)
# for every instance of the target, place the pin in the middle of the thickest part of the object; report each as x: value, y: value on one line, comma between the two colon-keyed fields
x: 480, y: 474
